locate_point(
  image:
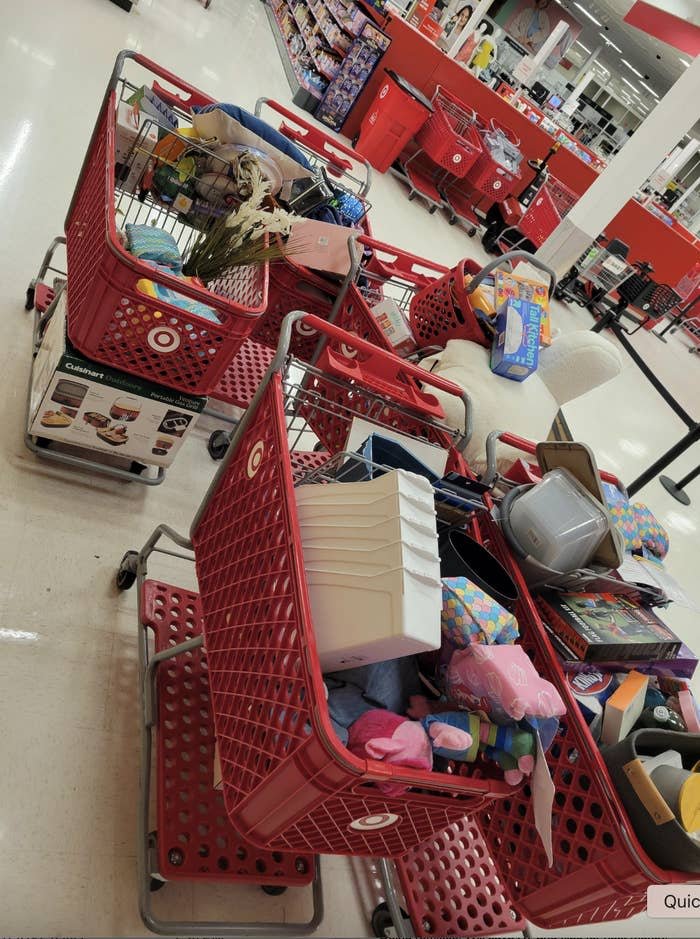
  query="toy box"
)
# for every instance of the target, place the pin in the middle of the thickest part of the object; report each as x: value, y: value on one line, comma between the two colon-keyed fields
x: 515, y: 349
x: 85, y: 404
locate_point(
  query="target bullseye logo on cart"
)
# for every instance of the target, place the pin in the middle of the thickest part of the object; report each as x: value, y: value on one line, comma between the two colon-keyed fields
x: 497, y: 184
x: 375, y: 822
x: 384, y: 92
x: 255, y: 458
x: 457, y: 158
x: 163, y: 339
x: 304, y: 329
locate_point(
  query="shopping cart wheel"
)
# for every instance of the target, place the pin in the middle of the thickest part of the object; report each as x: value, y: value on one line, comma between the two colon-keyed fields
x: 217, y: 445
x: 471, y: 231
x: 412, y: 195
x: 29, y: 301
x: 382, y: 923
x: 273, y: 890
x: 432, y: 210
x: 156, y: 884
x: 126, y: 573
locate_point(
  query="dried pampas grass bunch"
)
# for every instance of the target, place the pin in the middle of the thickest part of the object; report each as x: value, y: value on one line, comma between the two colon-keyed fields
x: 243, y: 236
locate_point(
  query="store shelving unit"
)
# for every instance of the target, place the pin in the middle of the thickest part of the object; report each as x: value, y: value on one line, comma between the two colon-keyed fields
x: 313, y: 36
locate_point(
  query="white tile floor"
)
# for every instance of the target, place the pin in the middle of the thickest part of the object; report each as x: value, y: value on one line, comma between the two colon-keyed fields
x: 67, y: 639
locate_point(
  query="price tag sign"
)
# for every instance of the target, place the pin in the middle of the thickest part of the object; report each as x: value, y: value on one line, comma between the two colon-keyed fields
x: 614, y: 264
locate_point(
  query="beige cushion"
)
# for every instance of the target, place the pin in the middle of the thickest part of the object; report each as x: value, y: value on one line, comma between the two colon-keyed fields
x: 525, y: 408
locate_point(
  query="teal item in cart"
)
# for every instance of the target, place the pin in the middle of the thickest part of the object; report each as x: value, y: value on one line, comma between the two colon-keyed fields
x: 153, y: 244
x: 469, y: 615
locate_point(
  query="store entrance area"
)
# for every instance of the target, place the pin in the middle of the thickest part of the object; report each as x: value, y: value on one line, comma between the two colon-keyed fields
x: 69, y: 759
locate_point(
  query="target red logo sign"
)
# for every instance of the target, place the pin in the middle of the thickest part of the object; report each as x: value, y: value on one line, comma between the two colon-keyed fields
x: 255, y: 458
x: 457, y: 158
x: 384, y: 92
x: 163, y: 339
x: 375, y: 822
x: 304, y: 329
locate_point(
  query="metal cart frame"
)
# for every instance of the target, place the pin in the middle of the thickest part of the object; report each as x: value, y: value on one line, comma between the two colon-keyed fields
x: 42, y: 299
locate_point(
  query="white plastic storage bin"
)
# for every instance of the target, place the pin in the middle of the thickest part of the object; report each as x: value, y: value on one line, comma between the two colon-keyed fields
x: 558, y: 522
x: 372, y: 568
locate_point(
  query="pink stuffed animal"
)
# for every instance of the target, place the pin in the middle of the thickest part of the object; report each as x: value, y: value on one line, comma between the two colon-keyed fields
x: 383, y: 735
x: 502, y: 682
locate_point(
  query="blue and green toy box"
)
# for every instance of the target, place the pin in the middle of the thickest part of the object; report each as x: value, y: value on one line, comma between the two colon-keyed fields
x: 515, y: 349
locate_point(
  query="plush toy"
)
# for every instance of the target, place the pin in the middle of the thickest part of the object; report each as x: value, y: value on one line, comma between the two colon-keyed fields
x: 502, y: 682
x: 383, y: 735
x: 461, y: 735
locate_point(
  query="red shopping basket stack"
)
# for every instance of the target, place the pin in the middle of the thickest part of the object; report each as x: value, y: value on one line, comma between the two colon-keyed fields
x: 112, y: 321
x: 288, y: 782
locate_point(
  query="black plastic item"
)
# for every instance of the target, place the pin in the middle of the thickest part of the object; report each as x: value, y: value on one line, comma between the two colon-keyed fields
x: 462, y: 556
x: 661, y: 835
x: 409, y: 89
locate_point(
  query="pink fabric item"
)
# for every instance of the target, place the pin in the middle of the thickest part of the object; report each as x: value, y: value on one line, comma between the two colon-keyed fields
x: 449, y: 738
x: 502, y: 682
x: 383, y: 735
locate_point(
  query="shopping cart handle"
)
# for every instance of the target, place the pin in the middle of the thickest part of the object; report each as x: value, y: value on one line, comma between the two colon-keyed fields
x: 315, y: 139
x: 400, y: 262
x: 194, y: 99
x: 527, y: 446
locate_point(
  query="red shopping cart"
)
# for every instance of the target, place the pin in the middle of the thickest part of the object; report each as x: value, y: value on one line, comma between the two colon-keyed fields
x: 112, y: 316
x: 448, y: 145
x: 287, y: 781
x: 493, y: 176
x: 116, y: 315
x: 551, y: 204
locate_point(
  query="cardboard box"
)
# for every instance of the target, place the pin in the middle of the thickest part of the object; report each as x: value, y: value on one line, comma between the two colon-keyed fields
x: 515, y: 350
x: 394, y: 325
x: 85, y: 404
x: 132, y: 127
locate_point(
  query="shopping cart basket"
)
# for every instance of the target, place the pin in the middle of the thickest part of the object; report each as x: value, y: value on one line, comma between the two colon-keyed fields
x: 551, y: 204
x: 111, y: 318
x: 496, y: 172
x: 443, y: 309
x: 288, y: 783
x: 448, y: 145
x: 600, y: 871
x: 378, y: 271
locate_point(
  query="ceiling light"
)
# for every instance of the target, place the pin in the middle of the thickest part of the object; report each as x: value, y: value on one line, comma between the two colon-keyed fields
x: 633, y: 87
x: 585, y: 49
x: 685, y: 62
x: 609, y: 42
x: 650, y: 90
x: 631, y: 68
x: 586, y: 13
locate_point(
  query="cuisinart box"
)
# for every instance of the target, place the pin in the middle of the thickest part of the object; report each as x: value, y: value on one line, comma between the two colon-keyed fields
x: 86, y: 404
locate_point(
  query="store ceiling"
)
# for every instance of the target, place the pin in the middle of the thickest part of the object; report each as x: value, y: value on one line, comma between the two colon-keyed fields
x: 649, y: 56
